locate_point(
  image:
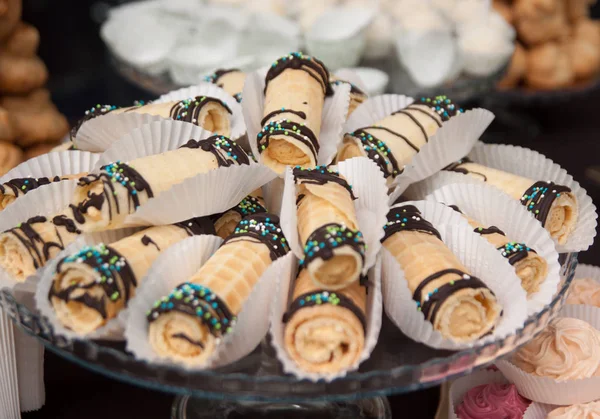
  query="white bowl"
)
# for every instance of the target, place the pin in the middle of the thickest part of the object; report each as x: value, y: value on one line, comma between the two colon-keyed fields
x: 375, y: 81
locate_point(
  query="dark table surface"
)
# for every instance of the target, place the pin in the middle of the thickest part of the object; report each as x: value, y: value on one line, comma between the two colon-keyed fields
x: 81, y: 76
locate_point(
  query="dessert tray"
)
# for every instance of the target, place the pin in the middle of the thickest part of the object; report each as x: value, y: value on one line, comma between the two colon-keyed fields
x: 397, y: 365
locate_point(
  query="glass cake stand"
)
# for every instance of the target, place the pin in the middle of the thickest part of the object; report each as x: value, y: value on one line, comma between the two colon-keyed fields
x: 256, y: 386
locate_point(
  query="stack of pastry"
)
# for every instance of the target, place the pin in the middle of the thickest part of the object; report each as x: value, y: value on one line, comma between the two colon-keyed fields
x: 30, y: 124
x: 559, y: 45
x: 326, y: 319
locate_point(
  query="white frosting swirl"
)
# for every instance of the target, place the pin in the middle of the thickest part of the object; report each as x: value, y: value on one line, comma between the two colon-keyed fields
x: 568, y: 349
x: 584, y: 291
x: 577, y: 411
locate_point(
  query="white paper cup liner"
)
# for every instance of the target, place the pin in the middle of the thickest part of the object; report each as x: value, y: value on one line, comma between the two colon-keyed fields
x: 53, y: 164
x: 420, y: 190
x: 587, y: 271
x: 30, y: 370
x: 99, y: 133
x: 451, y: 142
x: 188, y: 257
x: 492, y: 207
x: 373, y: 315
x: 371, y: 206
x: 208, y: 193
x: 113, y: 330
x: 536, y: 166
x: 45, y: 201
x: 461, y: 386
x: 238, y: 127
x: 9, y: 386
x: 153, y: 138
x: 482, y: 260
x: 273, y: 194
x: 375, y: 109
x: 335, y: 110
x: 349, y: 75
x: 548, y: 390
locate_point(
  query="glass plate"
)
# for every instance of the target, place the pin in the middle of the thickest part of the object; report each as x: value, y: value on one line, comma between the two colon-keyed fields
x: 397, y: 365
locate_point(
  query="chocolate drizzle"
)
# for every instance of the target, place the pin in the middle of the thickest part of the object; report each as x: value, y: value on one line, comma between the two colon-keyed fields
x: 23, y: 185
x: 92, y: 113
x: 227, y: 152
x: 431, y: 302
x: 280, y: 111
x: 515, y: 252
x: 67, y: 223
x: 414, y: 120
x: 489, y: 230
x: 455, y: 208
x: 455, y: 167
x: 286, y: 127
x: 199, y: 302
x: 378, y: 151
x: 188, y: 110
x: 321, y: 175
x: 407, y: 218
x: 539, y: 197
x: 297, y: 61
x: 146, y: 241
x: 324, y: 240
x: 321, y: 297
x: 188, y: 340
x: 214, y: 78
x: 197, y: 226
x: 111, y: 175
x: 247, y: 206
x: 114, y: 276
x: 441, y: 105
x: 261, y: 228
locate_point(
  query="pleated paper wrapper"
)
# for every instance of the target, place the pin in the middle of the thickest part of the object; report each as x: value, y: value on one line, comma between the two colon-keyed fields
x: 113, y: 329
x: 482, y: 261
x: 49, y: 165
x: 9, y: 383
x: 280, y: 306
x: 349, y: 75
x: 176, y: 266
x: 451, y: 142
x: 30, y: 370
x: 238, y: 126
x: 273, y: 195
x: 461, y: 386
x: 197, y: 196
x: 548, y: 390
x: 491, y: 207
x: 45, y: 201
x: 335, y: 109
x: 371, y: 206
x: 536, y: 166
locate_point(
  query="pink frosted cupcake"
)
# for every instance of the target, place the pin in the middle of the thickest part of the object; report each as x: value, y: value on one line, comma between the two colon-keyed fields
x: 492, y: 401
x: 584, y: 291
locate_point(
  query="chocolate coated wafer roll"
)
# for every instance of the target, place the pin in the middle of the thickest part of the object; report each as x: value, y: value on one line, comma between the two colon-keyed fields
x: 226, y: 222
x: 15, y: 188
x: 229, y: 79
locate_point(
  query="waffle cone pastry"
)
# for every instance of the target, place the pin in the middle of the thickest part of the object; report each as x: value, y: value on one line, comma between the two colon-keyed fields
x: 92, y: 286
x: 553, y: 205
x: 15, y: 188
x: 27, y: 247
x: 333, y: 247
x: 459, y: 306
x: 188, y: 325
x: 103, y: 200
x: 393, y: 141
x: 229, y: 79
x: 226, y: 222
x: 295, y: 89
x: 325, y: 330
x: 210, y: 113
x: 357, y: 96
x: 531, y: 268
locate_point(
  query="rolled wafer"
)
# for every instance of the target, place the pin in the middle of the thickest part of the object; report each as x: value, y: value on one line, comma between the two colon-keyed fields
x: 92, y: 286
x: 210, y: 113
x: 530, y: 267
x: 393, y: 141
x: 357, y: 96
x: 295, y: 90
x: 225, y: 223
x: 459, y: 306
x: 15, y: 188
x: 334, y: 248
x: 104, y: 199
x: 325, y: 330
x: 553, y: 205
x: 229, y: 79
x: 27, y: 247
x: 188, y: 324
